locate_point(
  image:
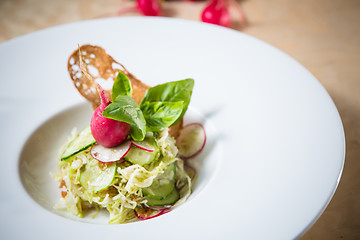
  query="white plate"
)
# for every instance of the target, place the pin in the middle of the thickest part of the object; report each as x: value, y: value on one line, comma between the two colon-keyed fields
x: 278, y: 142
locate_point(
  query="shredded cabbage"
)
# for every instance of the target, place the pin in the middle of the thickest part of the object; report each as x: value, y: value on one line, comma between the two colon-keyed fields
x: 125, y: 192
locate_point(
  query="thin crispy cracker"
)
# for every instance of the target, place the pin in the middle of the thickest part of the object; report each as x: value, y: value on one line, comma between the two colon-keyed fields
x: 107, y: 68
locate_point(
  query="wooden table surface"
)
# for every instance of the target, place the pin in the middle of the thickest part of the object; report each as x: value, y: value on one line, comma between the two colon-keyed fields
x: 323, y: 35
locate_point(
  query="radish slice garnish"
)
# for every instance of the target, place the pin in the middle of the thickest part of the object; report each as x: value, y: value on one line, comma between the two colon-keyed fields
x: 147, y: 213
x: 144, y: 146
x: 191, y: 140
x: 108, y: 155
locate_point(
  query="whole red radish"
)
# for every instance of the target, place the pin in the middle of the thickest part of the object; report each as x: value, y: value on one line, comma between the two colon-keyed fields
x: 216, y: 13
x: 149, y: 7
x: 106, y: 131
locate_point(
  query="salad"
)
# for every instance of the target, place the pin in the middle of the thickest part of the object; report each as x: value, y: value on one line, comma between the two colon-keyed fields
x: 128, y: 160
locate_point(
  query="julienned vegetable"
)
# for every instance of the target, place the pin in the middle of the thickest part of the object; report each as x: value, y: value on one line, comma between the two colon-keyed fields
x: 142, y: 175
x: 123, y: 187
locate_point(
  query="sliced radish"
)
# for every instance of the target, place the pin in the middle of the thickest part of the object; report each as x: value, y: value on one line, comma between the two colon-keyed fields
x: 147, y: 213
x: 144, y: 145
x: 191, y: 140
x: 108, y: 155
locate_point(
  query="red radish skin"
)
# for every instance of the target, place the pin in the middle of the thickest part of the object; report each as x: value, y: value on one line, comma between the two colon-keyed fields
x: 217, y: 13
x: 107, y: 132
x: 144, y: 217
x: 145, y: 7
x: 183, y: 136
x: 149, y: 7
x: 135, y: 144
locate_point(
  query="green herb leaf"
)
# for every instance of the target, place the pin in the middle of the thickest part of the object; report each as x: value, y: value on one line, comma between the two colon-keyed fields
x: 160, y: 115
x: 125, y: 109
x: 121, y: 86
x: 176, y: 91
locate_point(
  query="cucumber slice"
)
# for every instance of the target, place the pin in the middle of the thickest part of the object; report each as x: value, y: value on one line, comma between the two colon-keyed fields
x: 97, y: 176
x: 169, y: 200
x: 144, y: 146
x: 81, y: 142
x: 163, y: 184
x: 140, y: 156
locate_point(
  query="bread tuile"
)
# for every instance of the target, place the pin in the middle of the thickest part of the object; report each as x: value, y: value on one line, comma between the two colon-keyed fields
x: 93, y: 57
x: 106, y: 67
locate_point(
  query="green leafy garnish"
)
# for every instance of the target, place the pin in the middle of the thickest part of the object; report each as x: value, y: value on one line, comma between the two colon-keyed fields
x: 171, y: 92
x: 161, y: 107
x: 160, y: 115
x: 122, y: 86
x: 125, y: 109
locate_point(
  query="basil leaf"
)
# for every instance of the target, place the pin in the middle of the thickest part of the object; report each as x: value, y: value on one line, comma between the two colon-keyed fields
x: 160, y: 115
x: 125, y: 109
x: 171, y: 92
x: 121, y: 86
